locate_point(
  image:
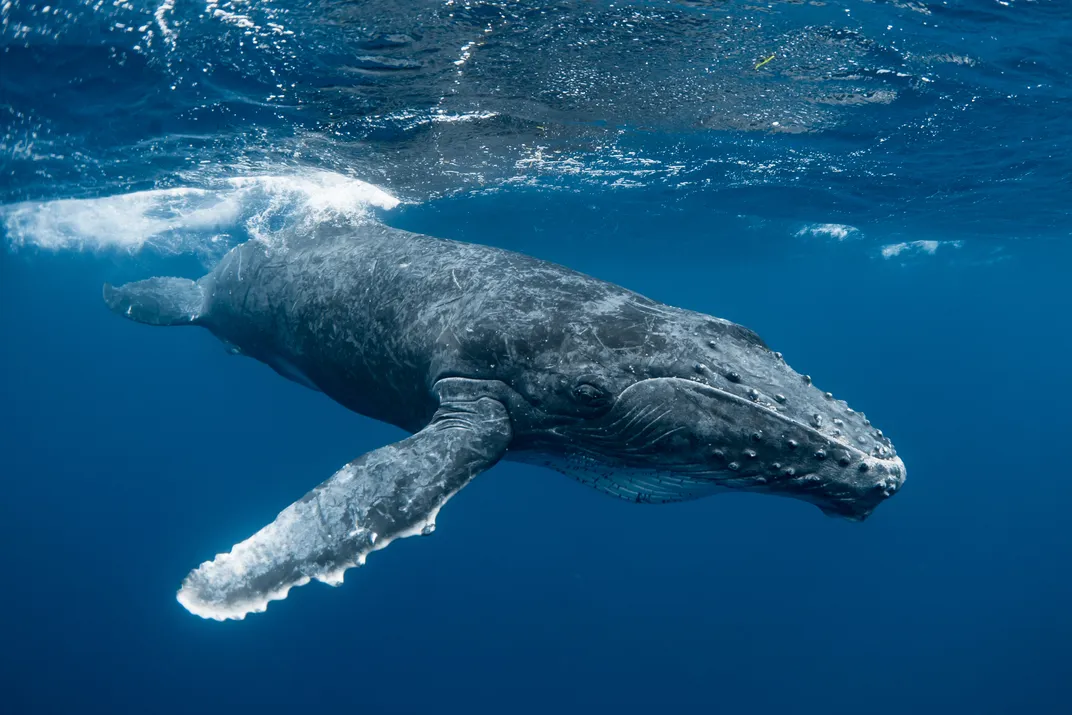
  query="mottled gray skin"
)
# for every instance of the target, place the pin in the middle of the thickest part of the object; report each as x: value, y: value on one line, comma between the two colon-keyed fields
x: 641, y: 400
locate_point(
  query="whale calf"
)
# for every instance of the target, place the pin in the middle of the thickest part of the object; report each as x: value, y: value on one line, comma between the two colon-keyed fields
x: 483, y: 354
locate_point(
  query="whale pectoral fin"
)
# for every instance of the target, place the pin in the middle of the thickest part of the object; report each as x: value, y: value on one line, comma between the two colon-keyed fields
x: 157, y: 301
x: 387, y: 494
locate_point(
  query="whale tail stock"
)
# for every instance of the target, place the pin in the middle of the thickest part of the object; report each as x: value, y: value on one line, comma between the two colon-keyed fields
x: 157, y: 301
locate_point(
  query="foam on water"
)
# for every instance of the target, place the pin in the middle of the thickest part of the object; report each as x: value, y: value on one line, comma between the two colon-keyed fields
x: 202, y: 221
x: 836, y: 231
x: 918, y: 247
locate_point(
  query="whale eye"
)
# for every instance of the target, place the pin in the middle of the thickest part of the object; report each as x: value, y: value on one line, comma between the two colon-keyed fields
x: 591, y: 395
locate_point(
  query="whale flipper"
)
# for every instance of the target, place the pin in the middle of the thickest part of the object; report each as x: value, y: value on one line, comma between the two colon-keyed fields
x: 157, y: 301
x: 389, y: 493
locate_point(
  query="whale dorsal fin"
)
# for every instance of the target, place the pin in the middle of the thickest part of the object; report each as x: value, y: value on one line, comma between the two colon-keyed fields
x: 157, y: 301
x: 389, y: 493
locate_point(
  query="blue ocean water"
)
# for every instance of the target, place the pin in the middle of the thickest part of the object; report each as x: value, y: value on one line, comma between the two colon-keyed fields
x: 880, y: 189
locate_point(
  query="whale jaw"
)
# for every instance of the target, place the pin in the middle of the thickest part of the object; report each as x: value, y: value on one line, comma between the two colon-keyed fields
x: 672, y: 439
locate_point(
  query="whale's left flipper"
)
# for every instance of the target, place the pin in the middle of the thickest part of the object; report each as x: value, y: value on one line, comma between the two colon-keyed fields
x: 389, y: 493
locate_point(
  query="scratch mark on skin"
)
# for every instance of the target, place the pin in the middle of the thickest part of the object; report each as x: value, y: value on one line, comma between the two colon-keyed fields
x: 445, y: 302
x: 459, y: 285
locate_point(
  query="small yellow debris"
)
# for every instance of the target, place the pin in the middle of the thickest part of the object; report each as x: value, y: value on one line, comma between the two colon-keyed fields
x: 764, y: 62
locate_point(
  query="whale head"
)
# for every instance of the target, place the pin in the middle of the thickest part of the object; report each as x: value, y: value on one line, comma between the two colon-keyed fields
x: 674, y: 438
x: 704, y: 406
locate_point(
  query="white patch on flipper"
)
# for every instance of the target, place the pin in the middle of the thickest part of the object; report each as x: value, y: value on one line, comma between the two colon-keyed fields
x: 271, y: 545
x: 240, y: 610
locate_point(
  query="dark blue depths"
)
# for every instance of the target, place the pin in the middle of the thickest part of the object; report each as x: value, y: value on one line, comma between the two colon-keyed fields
x: 131, y: 454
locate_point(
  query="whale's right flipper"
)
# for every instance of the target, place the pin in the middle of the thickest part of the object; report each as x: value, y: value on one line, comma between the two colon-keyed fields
x: 390, y: 493
x: 157, y: 301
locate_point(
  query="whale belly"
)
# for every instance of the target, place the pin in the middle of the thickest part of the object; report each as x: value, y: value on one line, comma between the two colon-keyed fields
x: 645, y: 486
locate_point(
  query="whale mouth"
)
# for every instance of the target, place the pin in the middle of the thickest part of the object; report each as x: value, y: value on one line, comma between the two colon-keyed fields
x: 683, y: 427
x: 847, y: 482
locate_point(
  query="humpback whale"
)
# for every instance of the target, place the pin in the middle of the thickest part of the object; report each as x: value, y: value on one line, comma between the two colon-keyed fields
x: 483, y: 354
